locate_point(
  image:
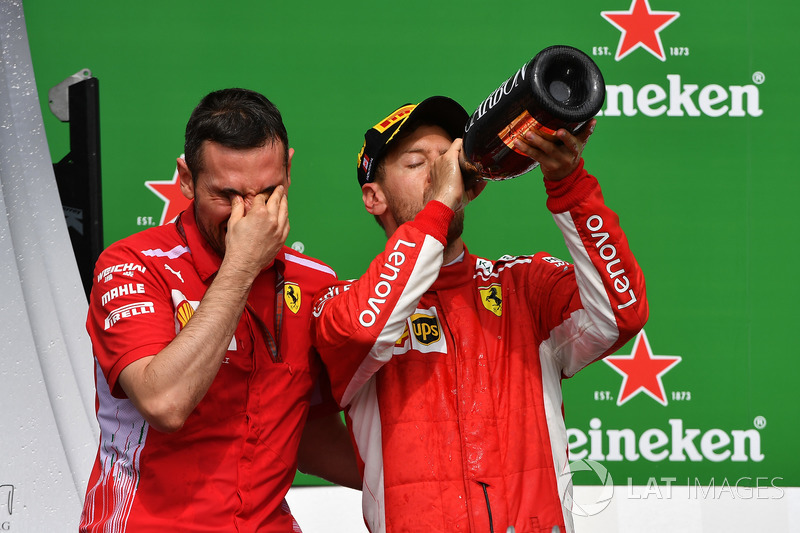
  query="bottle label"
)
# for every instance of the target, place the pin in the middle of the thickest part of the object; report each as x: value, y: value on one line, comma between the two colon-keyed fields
x: 519, y: 127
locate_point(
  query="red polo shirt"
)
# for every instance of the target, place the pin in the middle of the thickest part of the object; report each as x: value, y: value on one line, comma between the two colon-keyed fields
x: 230, y: 466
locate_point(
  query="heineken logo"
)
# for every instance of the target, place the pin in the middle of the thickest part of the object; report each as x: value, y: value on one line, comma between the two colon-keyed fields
x: 676, y: 98
x: 168, y: 191
x: 642, y: 371
x: 674, y: 444
x: 640, y: 27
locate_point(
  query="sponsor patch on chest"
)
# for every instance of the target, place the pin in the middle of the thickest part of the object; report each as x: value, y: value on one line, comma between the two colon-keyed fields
x: 492, y: 298
x: 292, y: 295
x: 423, y: 333
x: 184, y: 311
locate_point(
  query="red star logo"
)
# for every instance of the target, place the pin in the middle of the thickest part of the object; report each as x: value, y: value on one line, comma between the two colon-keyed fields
x: 640, y: 27
x: 642, y: 371
x: 170, y: 192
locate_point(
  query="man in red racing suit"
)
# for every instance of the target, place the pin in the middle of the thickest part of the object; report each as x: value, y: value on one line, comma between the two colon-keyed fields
x: 450, y: 375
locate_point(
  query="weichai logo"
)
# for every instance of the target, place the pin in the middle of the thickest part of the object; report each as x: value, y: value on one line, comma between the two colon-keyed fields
x: 642, y: 30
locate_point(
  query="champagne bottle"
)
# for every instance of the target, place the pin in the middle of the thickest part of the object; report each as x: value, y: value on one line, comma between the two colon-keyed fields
x: 561, y: 87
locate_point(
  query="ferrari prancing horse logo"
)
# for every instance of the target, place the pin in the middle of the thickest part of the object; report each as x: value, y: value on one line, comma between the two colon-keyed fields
x: 292, y: 295
x: 492, y: 297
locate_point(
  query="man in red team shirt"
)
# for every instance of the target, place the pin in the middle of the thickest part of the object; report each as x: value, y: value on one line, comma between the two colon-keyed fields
x: 205, y: 371
x: 449, y: 365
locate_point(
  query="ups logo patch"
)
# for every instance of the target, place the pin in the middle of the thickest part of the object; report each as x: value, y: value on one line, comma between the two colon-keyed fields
x: 426, y: 328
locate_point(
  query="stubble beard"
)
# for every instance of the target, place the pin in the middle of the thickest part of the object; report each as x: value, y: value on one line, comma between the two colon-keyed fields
x: 456, y: 227
x: 404, y: 211
x: 208, y: 235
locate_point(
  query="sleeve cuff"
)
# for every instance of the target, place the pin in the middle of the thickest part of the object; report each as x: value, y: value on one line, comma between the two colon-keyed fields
x: 134, y: 355
x: 564, y: 194
x: 434, y: 220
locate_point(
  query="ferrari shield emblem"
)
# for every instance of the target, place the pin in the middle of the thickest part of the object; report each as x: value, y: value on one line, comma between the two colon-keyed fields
x: 292, y: 295
x: 492, y: 298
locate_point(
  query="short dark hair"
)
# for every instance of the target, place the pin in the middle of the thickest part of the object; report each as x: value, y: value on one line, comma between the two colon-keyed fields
x: 235, y: 118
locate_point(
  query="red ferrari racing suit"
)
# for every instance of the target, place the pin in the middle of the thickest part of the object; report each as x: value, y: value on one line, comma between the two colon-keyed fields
x: 451, y: 377
x: 229, y: 467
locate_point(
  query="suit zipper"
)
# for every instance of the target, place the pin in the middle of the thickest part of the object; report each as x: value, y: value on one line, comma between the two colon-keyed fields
x: 488, y: 505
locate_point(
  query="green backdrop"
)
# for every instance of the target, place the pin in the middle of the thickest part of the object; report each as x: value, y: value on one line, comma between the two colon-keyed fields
x: 695, y: 152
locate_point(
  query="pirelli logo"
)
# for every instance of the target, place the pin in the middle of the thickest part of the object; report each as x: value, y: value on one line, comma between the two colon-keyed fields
x: 127, y: 311
x: 394, y: 118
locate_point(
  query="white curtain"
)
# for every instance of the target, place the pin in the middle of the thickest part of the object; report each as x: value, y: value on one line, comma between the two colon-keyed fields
x: 48, y: 432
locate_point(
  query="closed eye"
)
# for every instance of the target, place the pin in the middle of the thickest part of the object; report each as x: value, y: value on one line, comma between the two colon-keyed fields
x: 229, y: 193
